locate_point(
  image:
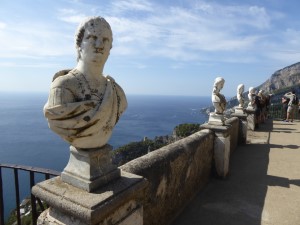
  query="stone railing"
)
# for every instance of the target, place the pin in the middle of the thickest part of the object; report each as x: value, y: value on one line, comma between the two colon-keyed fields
x: 154, y: 188
x: 175, y: 173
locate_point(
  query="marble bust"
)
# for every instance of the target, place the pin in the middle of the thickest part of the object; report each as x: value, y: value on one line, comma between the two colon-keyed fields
x: 218, y: 99
x: 84, y: 105
x: 251, y: 97
x: 239, y: 95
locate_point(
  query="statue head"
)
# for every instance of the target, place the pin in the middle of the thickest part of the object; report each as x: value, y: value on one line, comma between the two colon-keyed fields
x: 251, y: 90
x: 240, y: 89
x: 94, y: 35
x: 219, y: 83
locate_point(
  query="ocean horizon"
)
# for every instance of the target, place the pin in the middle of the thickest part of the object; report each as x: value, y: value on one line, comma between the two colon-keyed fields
x: 27, y: 140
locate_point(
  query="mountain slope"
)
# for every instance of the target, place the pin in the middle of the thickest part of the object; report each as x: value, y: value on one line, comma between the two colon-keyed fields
x: 280, y: 82
x: 283, y: 78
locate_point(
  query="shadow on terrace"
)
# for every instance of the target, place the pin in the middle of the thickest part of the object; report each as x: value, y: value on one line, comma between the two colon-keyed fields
x: 263, y: 186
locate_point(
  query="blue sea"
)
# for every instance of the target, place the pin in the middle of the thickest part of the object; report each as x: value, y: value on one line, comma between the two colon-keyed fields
x: 26, y: 139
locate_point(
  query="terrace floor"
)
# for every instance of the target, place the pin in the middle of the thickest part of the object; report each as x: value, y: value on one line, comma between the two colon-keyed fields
x: 263, y: 186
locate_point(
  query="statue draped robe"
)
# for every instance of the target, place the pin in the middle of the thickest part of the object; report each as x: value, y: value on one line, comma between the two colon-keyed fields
x: 78, y: 114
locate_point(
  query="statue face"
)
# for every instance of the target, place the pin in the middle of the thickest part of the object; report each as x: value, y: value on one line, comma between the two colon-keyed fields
x: 96, y: 43
x: 221, y: 85
x: 241, y: 90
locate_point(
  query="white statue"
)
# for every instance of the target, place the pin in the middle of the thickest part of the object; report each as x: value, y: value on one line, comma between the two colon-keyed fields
x: 217, y: 98
x: 83, y: 105
x: 239, y: 95
x: 251, y: 97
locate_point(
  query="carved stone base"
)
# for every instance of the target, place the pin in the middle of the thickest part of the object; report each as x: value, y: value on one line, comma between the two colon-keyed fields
x: 89, y: 169
x: 216, y: 119
x: 239, y: 110
x: 117, y: 203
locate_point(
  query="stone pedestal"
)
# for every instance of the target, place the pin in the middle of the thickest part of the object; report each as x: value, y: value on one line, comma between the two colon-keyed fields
x: 89, y: 169
x: 243, y: 127
x: 216, y: 119
x: 118, y: 202
x: 239, y: 110
x: 221, y: 148
x: 251, y: 118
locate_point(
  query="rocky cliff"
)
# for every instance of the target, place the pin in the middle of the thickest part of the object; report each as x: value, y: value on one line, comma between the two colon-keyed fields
x: 283, y: 78
x: 280, y: 82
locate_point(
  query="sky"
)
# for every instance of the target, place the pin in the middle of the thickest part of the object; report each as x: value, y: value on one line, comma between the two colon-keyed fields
x: 160, y: 47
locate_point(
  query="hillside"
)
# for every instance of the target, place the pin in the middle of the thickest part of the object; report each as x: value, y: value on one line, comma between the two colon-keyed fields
x: 280, y: 82
x: 283, y: 78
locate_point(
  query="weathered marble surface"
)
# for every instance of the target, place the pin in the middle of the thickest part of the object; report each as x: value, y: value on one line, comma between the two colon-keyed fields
x: 219, y: 102
x: 251, y: 97
x: 216, y: 119
x: 83, y: 105
x: 217, y: 98
x: 239, y: 94
x: 90, y: 169
x: 113, y: 204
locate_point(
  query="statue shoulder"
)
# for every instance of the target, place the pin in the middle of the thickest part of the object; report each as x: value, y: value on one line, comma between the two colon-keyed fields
x: 60, y: 73
x: 109, y: 78
x: 63, y: 79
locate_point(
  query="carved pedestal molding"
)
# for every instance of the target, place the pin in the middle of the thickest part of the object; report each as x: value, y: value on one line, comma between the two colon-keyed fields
x: 239, y: 110
x: 221, y: 148
x: 243, y: 127
x: 216, y: 119
x: 251, y: 118
x: 89, y: 169
x: 115, y: 203
x: 91, y: 190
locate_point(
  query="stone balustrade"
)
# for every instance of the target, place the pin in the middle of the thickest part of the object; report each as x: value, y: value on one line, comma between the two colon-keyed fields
x: 172, y: 176
x: 175, y: 173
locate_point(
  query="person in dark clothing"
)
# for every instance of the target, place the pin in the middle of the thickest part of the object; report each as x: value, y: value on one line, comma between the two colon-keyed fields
x: 258, y: 110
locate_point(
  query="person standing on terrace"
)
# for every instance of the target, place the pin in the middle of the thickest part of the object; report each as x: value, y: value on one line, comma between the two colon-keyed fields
x: 292, y: 105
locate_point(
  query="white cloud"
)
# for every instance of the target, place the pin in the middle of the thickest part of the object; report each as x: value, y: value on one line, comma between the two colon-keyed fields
x: 286, y: 48
x: 2, y: 25
x: 132, y: 5
x: 31, y: 40
x: 147, y: 29
x: 70, y: 16
x: 183, y: 34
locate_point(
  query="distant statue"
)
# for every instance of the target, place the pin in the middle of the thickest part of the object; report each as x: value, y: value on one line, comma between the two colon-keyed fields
x: 251, y: 97
x: 83, y: 105
x: 239, y: 95
x: 218, y: 99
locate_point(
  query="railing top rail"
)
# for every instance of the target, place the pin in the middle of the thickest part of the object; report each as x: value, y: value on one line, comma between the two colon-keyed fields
x: 30, y: 168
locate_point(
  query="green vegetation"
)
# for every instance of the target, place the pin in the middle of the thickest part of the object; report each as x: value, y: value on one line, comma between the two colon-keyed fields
x: 134, y: 150
x: 26, y: 215
x: 186, y: 129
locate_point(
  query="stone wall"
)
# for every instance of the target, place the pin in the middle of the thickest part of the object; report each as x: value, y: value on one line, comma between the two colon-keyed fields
x: 175, y: 174
x: 152, y: 189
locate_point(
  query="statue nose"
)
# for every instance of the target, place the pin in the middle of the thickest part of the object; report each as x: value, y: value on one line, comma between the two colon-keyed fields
x: 99, y: 43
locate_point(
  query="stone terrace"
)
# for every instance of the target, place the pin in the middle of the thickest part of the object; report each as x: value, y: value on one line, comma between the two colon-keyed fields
x: 263, y: 186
